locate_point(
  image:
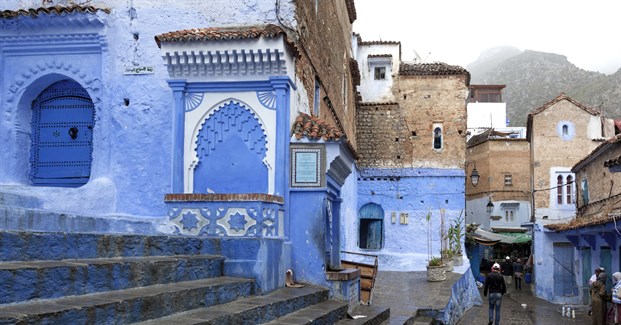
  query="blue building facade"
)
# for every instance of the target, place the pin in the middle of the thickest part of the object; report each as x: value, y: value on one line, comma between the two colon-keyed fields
x: 122, y: 118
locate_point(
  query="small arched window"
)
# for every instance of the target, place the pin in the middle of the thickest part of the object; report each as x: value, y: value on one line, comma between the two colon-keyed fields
x: 565, y: 130
x: 437, y: 138
x: 569, y: 190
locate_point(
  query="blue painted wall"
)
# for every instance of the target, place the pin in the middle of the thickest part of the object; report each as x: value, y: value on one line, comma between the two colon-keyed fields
x: 132, y: 137
x: 307, y: 234
x: 415, y: 192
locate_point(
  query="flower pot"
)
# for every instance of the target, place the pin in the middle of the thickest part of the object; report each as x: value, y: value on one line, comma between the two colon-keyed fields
x: 448, y: 264
x: 436, y: 273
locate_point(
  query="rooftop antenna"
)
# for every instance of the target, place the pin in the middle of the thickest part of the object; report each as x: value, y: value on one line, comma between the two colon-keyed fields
x: 416, y: 56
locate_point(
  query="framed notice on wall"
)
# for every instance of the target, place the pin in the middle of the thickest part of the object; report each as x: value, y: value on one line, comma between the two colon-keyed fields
x: 307, y: 165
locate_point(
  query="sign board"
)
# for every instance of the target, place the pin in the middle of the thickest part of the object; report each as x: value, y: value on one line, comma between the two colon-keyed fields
x: 139, y: 70
x: 307, y: 166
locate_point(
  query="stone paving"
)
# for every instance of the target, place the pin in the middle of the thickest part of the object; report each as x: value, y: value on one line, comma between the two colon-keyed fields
x: 394, y: 290
x: 536, y: 312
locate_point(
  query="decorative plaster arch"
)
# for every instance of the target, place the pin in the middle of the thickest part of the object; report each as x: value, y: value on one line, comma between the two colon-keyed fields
x: 193, y: 145
x: 54, y: 70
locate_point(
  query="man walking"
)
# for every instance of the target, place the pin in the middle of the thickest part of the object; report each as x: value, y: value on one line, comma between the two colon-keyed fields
x: 506, y: 269
x: 495, y: 284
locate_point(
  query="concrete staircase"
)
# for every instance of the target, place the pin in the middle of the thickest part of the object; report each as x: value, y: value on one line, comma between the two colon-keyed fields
x: 79, y: 278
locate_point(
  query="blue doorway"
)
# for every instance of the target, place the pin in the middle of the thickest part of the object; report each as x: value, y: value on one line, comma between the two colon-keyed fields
x: 62, y: 136
x: 564, y: 275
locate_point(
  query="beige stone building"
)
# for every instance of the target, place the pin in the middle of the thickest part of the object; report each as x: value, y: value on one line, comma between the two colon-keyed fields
x: 561, y: 133
x: 502, y: 162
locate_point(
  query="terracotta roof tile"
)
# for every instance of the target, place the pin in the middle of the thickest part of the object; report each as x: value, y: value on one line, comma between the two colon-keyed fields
x: 225, y: 33
x: 360, y: 42
x: 55, y: 10
x: 314, y: 128
x: 379, y: 56
x: 435, y: 69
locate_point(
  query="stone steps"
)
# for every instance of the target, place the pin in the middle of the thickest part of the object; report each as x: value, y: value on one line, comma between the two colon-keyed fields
x: 25, y: 280
x: 128, y: 305
x: 373, y: 315
x: 25, y: 245
x: 256, y: 309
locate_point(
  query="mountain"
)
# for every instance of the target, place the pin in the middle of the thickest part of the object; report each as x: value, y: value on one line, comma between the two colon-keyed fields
x: 533, y: 78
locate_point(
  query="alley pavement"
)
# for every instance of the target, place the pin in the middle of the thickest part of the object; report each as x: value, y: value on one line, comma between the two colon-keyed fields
x: 395, y: 290
x: 535, y: 312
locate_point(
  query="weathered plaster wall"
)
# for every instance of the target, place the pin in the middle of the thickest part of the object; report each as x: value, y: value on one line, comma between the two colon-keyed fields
x: 413, y: 193
x: 372, y: 90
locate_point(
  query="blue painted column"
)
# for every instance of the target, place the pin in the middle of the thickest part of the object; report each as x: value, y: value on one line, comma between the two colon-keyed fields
x: 282, y: 86
x: 178, y: 87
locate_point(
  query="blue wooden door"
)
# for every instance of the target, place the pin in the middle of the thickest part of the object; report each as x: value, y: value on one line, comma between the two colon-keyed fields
x: 605, y: 260
x: 587, y: 271
x: 62, y: 137
x: 564, y: 276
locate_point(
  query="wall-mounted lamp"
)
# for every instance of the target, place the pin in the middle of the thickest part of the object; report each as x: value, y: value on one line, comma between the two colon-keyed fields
x: 490, y: 206
x: 474, y: 176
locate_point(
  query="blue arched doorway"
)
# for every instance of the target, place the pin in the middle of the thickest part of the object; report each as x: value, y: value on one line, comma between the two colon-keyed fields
x: 62, y: 135
x: 371, y: 234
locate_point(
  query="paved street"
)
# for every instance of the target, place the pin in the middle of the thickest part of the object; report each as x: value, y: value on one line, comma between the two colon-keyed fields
x: 537, y: 311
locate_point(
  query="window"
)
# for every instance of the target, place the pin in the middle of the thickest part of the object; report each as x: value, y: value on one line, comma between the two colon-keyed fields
x: 509, y: 216
x: 585, y: 191
x: 508, y: 180
x: 380, y: 73
x: 565, y: 130
x: 559, y: 190
x: 437, y: 138
x: 316, y: 100
x: 568, y: 191
x: 565, y: 189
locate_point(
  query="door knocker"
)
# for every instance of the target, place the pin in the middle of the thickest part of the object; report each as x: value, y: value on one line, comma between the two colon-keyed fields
x: 73, y: 132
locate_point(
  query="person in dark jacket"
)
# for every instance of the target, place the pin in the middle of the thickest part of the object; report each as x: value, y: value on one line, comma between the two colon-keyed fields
x: 506, y: 269
x: 495, y: 285
x: 518, y: 273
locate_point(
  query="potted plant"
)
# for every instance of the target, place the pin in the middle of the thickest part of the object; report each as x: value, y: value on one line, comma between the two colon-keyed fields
x: 456, y: 234
x: 435, y: 270
x: 447, y: 258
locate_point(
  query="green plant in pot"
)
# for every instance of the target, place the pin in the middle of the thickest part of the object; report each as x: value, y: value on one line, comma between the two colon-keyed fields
x: 435, y: 261
x: 435, y: 270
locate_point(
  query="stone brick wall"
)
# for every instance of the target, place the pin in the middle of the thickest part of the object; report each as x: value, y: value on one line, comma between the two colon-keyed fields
x: 383, y: 136
x: 550, y: 149
x: 325, y: 46
x: 426, y: 100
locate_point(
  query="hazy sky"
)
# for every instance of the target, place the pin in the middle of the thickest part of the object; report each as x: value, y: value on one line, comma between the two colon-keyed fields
x: 588, y: 32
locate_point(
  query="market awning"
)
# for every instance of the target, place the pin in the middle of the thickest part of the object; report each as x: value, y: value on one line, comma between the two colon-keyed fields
x: 519, y: 238
x: 489, y: 238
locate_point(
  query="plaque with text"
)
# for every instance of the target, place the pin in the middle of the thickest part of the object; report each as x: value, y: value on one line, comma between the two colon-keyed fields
x: 306, y: 167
